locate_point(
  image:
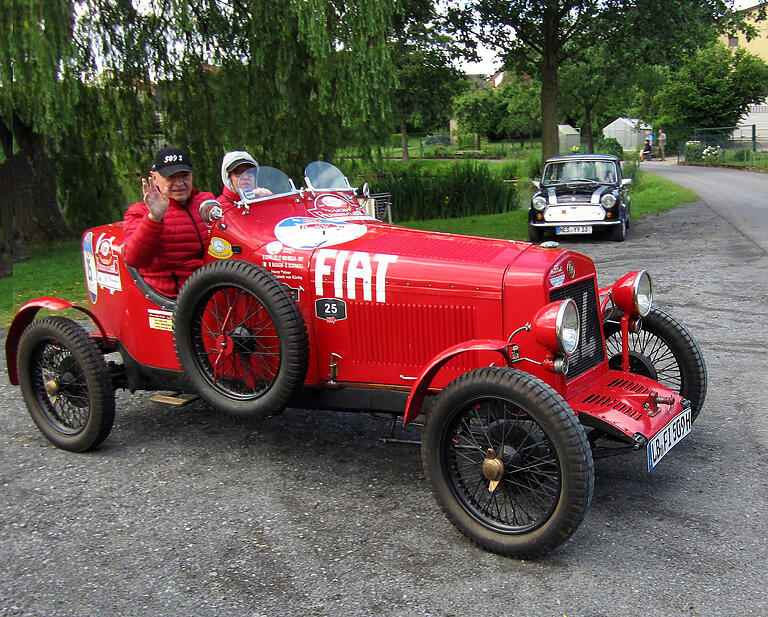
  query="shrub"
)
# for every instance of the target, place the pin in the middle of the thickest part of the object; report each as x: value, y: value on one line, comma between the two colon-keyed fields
x: 693, y: 150
x: 610, y: 145
x: 712, y: 154
x: 464, y: 189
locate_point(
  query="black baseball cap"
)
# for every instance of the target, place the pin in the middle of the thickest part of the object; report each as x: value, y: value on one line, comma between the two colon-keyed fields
x: 171, y: 160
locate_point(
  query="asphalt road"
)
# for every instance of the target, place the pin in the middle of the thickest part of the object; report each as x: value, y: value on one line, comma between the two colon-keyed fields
x: 310, y: 514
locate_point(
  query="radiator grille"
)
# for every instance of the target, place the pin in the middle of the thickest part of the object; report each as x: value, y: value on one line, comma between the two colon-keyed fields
x: 590, y: 351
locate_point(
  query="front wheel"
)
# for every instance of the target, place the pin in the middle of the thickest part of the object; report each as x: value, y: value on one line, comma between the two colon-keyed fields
x: 508, y: 462
x: 240, y: 339
x: 66, y: 384
x: 665, y: 351
x: 535, y: 234
x: 619, y: 232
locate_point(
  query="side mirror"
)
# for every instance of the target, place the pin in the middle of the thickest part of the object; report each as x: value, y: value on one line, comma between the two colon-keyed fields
x: 211, y: 211
x: 626, y: 181
x: 536, y: 183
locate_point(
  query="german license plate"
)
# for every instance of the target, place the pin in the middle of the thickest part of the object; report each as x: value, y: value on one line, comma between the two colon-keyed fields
x: 668, y: 437
x: 573, y: 229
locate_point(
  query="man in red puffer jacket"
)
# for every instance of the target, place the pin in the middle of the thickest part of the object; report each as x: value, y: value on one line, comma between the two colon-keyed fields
x: 165, y: 238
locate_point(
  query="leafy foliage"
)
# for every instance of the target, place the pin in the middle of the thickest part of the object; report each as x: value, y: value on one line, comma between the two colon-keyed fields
x: 711, y: 88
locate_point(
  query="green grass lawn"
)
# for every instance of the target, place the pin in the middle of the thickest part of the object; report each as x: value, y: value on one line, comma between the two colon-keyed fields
x: 57, y: 269
x: 52, y: 270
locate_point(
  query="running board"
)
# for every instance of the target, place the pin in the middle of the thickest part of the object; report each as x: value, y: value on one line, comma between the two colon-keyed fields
x: 177, y: 399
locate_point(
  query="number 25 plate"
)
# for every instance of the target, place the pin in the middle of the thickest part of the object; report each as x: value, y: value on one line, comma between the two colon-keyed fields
x: 668, y: 437
x: 573, y: 229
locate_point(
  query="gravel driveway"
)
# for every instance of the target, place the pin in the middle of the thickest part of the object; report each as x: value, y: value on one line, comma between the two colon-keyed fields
x: 310, y: 514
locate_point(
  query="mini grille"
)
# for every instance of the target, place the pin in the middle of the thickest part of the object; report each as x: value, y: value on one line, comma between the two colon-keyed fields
x: 590, y: 351
x: 611, y: 403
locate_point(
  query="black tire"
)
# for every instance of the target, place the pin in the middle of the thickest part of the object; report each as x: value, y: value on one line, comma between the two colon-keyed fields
x: 619, y: 232
x: 66, y: 384
x: 548, y: 474
x: 665, y: 351
x: 535, y: 234
x: 240, y: 339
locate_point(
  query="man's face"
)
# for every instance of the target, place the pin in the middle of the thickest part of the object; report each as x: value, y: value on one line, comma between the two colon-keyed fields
x: 177, y: 186
x: 235, y: 174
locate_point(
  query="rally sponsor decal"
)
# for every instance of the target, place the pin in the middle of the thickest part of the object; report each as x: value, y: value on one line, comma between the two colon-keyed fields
x: 303, y: 232
x: 335, y: 207
x: 107, y: 264
x: 89, y: 264
x: 160, y: 320
x: 340, y: 272
x: 220, y: 248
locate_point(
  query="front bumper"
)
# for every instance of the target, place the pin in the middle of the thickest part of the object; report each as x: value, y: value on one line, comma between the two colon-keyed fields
x: 562, y: 223
x: 621, y: 404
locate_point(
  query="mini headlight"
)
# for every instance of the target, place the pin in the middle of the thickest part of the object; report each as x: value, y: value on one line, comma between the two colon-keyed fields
x: 633, y: 293
x: 539, y: 202
x: 556, y: 327
x: 608, y: 200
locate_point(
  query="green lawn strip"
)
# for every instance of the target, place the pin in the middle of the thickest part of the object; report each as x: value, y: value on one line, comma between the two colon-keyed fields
x: 52, y: 270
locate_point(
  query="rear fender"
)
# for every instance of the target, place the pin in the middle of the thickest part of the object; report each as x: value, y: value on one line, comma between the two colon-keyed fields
x: 24, y: 316
x: 419, y: 390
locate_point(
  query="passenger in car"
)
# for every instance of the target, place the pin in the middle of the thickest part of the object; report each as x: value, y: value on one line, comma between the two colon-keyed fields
x: 165, y: 238
x: 232, y: 167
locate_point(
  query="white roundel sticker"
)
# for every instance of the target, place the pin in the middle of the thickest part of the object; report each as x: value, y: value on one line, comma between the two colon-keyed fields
x: 273, y: 248
x: 301, y: 232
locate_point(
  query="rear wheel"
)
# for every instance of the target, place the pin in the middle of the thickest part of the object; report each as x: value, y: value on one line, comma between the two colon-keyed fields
x: 240, y: 339
x: 508, y: 461
x: 65, y: 383
x: 665, y: 351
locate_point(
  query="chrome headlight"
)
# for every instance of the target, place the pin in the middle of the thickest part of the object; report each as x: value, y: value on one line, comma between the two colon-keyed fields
x: 539, y: 202
x: 633, y: 293
x: 643, y: 293
x: 608, y: 200
x: 556, y: 327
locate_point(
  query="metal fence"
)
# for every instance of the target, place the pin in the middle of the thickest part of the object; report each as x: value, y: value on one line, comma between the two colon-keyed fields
x: 728, y: 144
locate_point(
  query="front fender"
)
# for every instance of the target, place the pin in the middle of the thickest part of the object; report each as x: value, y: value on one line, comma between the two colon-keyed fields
x: 24, y: 316
x: 419, y: 390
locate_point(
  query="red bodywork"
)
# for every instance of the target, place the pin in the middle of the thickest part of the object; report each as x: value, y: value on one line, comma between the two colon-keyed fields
x: 385, y: 307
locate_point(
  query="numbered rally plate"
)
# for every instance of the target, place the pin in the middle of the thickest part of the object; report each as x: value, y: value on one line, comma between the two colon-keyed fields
x: 330, y: 309
x: 573, y: 229
x: 668, y: 437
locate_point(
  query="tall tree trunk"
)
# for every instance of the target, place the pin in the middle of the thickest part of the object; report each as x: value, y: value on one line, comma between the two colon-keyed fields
x: 549, y: 85
x: 549, y: 94
x: 33, y: 201
x: 404, y: 139
x: 587, y: 128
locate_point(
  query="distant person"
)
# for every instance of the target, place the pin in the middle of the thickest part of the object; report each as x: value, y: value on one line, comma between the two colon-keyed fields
x: 662, y: 144
x: 165, y: 238
x: 649, y: 136
x: 646, y: 153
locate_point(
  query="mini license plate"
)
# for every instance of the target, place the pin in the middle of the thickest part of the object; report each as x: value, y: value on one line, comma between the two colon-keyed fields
x: 573, y: 229
x: 677, y: 428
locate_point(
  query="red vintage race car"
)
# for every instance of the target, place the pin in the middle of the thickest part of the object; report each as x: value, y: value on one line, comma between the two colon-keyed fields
x: 521, y: 367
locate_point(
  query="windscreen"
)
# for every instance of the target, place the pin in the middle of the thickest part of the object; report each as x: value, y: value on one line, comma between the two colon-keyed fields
x: 580, y: 171
x: 323, y: 175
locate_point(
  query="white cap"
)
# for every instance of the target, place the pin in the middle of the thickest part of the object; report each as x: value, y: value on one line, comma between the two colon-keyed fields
x: 232, y: 160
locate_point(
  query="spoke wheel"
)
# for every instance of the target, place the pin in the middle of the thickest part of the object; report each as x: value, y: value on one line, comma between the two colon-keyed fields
x: 508, y: 462
x: 66, y: 384
x: 241, y: 339
x: 666, y: 352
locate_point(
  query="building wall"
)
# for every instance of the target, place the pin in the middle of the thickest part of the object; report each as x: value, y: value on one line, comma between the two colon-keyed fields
x: 758, y: 45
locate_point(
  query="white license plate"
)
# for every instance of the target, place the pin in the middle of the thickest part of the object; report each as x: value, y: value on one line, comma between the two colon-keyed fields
x: 677, y: 428
x: 573, y: 229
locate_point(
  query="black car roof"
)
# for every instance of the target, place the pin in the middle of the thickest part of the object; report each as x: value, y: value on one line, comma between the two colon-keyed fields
x: 583, y: 157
